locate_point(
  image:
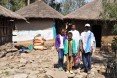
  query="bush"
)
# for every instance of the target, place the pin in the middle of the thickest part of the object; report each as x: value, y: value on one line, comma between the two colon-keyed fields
x: 114, y: 44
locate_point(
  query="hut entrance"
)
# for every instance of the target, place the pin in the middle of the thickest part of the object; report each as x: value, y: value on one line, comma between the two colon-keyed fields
x: 97, y: 30
x: 59, y: 25
x: 5, y: 31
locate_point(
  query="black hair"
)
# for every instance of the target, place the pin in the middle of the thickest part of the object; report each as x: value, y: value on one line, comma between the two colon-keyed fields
x: 69, y: 33
x: 62, y: 29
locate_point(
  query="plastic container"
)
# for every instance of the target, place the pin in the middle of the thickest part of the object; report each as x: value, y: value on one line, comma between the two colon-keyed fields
x: 23, y: 48
x: 30, y: 47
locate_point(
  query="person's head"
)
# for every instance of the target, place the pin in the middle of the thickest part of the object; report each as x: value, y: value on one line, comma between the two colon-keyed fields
x: 69, y: 35
x: 87, y: 27
x: 62, y: 31
x: 73, y: 27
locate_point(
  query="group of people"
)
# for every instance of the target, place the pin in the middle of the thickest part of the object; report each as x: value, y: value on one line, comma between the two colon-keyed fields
x: 72, y: 44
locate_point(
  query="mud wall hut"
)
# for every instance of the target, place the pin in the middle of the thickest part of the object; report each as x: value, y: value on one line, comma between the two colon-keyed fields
x: 7, y: 23
x: 42, y: 19
x: 91, y: 13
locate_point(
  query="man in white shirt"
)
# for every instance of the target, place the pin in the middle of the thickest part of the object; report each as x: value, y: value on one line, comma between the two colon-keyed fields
x: 76, y: 36
x: 87, y: 47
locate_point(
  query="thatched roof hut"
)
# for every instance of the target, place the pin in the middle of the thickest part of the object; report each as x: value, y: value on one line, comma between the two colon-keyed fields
x: 39, y: 9
x: 7, y: 24
x: 42, y: 19
x: 7, y: 13
x: 90, y: 11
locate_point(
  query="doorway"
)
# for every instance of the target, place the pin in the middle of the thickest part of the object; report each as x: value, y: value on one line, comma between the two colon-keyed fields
x: 97, y: 30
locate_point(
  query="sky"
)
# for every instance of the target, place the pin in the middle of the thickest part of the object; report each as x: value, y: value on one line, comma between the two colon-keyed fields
x: 61, y: 0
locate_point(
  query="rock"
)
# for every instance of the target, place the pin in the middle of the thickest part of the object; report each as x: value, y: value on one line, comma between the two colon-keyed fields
x: 45, y: 66
x: 100, y: 76
x: 9, y: 54
x: 3, y: 53
x: 12, y: 50
x: 56, y: 74
x: 83, y: 75
x: 75, y: 71
x: 8, y: 76
x: 23, y: 61
x: 21, y: 76
x: 32, y: 76
x: 24, y: 55
x: 91, y: 75
x: 78, y: 71
x: 41, y: 75
x: 28, y: 71
x: 78, y: 76
x: 34, y: 65
x: 70, y: 75
x: 22, y: 64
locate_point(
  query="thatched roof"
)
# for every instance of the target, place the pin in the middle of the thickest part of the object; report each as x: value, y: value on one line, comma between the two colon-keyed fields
x: 90, y: 11
x: 7, y: 13
x: 39, y: 9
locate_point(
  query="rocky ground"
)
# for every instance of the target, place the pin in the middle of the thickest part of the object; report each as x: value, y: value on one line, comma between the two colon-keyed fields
x: 42, y: 64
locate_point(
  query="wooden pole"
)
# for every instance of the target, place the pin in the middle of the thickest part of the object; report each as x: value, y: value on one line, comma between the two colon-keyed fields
x: 28, y: 2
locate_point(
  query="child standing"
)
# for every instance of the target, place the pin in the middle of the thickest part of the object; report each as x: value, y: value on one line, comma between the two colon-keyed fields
x: 69, y: 51
x: 59, y: 44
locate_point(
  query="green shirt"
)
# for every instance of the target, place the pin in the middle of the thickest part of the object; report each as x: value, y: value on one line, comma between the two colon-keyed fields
x: 71, y: 48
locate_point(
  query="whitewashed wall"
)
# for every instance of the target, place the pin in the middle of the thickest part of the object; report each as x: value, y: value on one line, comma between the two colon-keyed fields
x: 27, y: 31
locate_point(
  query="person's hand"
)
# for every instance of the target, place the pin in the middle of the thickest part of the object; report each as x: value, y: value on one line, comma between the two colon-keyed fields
x: 57, y: 49
x: 74, y: 54
x: 81, y: 49
x: 65, y: 54
x: 79, y: 53
x: 91, y: 50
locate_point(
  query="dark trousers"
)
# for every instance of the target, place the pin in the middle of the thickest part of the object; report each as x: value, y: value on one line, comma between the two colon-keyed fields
x: 60, y: 57
x: 86, y: 57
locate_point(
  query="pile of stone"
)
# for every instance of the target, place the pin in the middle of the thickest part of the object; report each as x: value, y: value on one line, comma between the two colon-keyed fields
x: 7, y: 50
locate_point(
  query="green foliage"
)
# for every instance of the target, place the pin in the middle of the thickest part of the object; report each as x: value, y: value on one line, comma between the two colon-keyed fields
x: 13, y: 4
x: 114, y: 44
x: 110, y: 12
x: 4, y: 3
x: 71, y: 5
x: 115, y: 29
x: 17, y: 4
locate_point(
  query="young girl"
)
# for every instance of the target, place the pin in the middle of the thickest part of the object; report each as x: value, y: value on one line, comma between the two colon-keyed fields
x: 69, y: 51
x: 59, y: 44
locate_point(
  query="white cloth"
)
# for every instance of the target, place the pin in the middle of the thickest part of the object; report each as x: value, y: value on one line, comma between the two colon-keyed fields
x: 76, y: 37
x: 61, y: 42
x: 84, y: 38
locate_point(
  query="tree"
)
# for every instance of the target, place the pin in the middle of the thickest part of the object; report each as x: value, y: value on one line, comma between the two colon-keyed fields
x: 110, y: 12
x: 71, y: 5
x: 16, y: 4
x: 4, y: 3
x: 54, y: 4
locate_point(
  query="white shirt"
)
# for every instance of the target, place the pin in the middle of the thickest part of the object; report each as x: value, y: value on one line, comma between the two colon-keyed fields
x: 61, y: 42
x: 76, y: 37
x: 84, y: 38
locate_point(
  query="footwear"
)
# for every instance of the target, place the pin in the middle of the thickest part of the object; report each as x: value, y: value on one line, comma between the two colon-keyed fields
x: 61, y: 69
x: 67, y: 71
x: 89, y: 71
x: 86, y: 71
x: 71, y: 72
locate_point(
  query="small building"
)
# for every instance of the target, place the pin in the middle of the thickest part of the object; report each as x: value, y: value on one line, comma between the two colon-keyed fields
x: 41, y: 19
x: 7, y: 23
x: 92, y: 13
